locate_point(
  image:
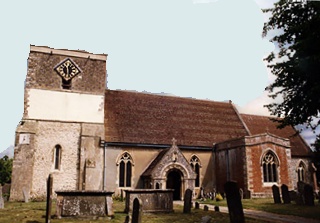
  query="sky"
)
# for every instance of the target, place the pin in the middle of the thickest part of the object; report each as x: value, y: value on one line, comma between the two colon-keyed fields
x: 204, y: 49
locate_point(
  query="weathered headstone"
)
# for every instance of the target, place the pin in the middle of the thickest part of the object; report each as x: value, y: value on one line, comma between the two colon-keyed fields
x: 300, y: 186
x: 276, y: 194
x: 285, y: 194
x: 308, y: 195
x: 136, y: 211
x: 25, y: 193
x: 187, y: 201
x: 206, y: 219
x: 49, y: 198
x: 241, y: 193
x: 1, y: 198
x: 197, y: 205
x: 127, y: 219
x: 216, y: 208
x: 109, y: 207
x: 6, y: 191
x: 234, y: 202
x: 206, y: 208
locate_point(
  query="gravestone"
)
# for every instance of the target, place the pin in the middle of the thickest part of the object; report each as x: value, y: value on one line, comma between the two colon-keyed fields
x: 285, y: 194
x: 49, y: 198
x: 308, y: 195
x: 206, y: 219
x: 127, y: 219
x: 276, y: 194
x: 25, y: 194
x: 234, y: 202
x: 206, y: 208
x: 216, y: 208
x: 6, y: 191
x: 1, y: 198
x: 109, y: 207
x: 136, y: 211
x: 187, y: 201
x: 197, y: 205
x: 241, y: 193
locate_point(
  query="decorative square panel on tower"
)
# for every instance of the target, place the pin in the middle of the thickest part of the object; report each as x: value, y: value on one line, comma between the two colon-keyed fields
x: 67, y: 69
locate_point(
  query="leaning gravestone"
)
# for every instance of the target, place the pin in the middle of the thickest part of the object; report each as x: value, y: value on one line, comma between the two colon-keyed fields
x: 308, y: 195
x: 136, y: 211
x: 234, y: 202
x: 276, y: 194
x: 197, y: 205
x: 187, y: 201
x: 206, y: 219
x: 285, y: 194
x: 25, y: 194
x: 1, y: 198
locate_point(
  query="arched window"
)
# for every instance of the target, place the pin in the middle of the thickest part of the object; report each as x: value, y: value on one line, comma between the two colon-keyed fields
x: 125, y: 170
x: 301, y: 171
x: 195, y: 164
x: 270, y: 166
x: 57, y: 157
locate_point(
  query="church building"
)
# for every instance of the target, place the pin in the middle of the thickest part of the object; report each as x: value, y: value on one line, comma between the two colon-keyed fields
x: 92, y: 138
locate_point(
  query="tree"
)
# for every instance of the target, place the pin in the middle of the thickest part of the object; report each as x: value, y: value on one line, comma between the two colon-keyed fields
x: 5, y: 170
x: 297, y: 63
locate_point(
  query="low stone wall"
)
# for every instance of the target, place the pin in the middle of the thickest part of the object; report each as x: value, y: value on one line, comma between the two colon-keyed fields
x: 84, y: 203
x: 152, y: 200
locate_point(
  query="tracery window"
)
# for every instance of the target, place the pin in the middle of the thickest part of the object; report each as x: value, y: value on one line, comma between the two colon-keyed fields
x: 195, y: 164
x: 57, y: 157
x: 125, y: 170
x: 301, y: 172
x: 270, y: 165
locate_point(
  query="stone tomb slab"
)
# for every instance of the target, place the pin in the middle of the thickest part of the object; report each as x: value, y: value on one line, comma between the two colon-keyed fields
x: 84, y: 203
x: 152, y: 200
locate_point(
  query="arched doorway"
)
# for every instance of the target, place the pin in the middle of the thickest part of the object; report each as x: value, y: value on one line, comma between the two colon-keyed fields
x: 174, y: 182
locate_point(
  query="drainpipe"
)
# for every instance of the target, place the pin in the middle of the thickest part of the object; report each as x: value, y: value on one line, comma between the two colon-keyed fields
x: 103, y: 145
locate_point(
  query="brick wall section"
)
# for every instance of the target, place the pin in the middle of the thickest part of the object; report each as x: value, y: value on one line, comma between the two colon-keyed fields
x: 245, y: 168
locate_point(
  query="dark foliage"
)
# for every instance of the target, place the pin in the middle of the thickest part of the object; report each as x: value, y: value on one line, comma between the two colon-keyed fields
x: 297, y: 63
x: 5, y: 170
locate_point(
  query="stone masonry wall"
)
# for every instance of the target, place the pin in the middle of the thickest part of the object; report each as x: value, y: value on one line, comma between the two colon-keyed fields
x: 49, y: 135
x: 23, y: 161
x: 142, y: 157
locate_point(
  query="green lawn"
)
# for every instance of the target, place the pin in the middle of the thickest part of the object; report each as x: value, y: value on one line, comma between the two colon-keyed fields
x: 267, y: 204
x: 34, y: 212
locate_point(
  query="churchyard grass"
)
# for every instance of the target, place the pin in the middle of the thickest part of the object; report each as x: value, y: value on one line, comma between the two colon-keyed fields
x: 34, y: 212
x: 268, y: 205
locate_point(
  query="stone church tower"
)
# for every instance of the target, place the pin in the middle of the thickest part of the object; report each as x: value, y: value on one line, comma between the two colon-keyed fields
x: 62, y: 124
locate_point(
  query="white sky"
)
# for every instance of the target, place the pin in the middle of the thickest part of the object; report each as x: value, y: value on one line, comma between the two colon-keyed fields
x: 205, y: 49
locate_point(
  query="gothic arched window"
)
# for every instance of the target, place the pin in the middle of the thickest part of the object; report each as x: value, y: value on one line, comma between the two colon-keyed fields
x: 57, y: 157
x: 195, y: 164
x: 125, y: 164
x: 270, y: 168
x: 301, y: 171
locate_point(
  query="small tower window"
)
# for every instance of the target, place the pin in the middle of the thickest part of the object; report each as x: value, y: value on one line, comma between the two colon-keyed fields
x: 301, y: 172
x: 195, y: 164
x: 57, y: 157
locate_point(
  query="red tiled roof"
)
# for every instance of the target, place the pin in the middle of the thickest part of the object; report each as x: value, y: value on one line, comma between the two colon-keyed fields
x: 133, y: 117
x: 262, y: 124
